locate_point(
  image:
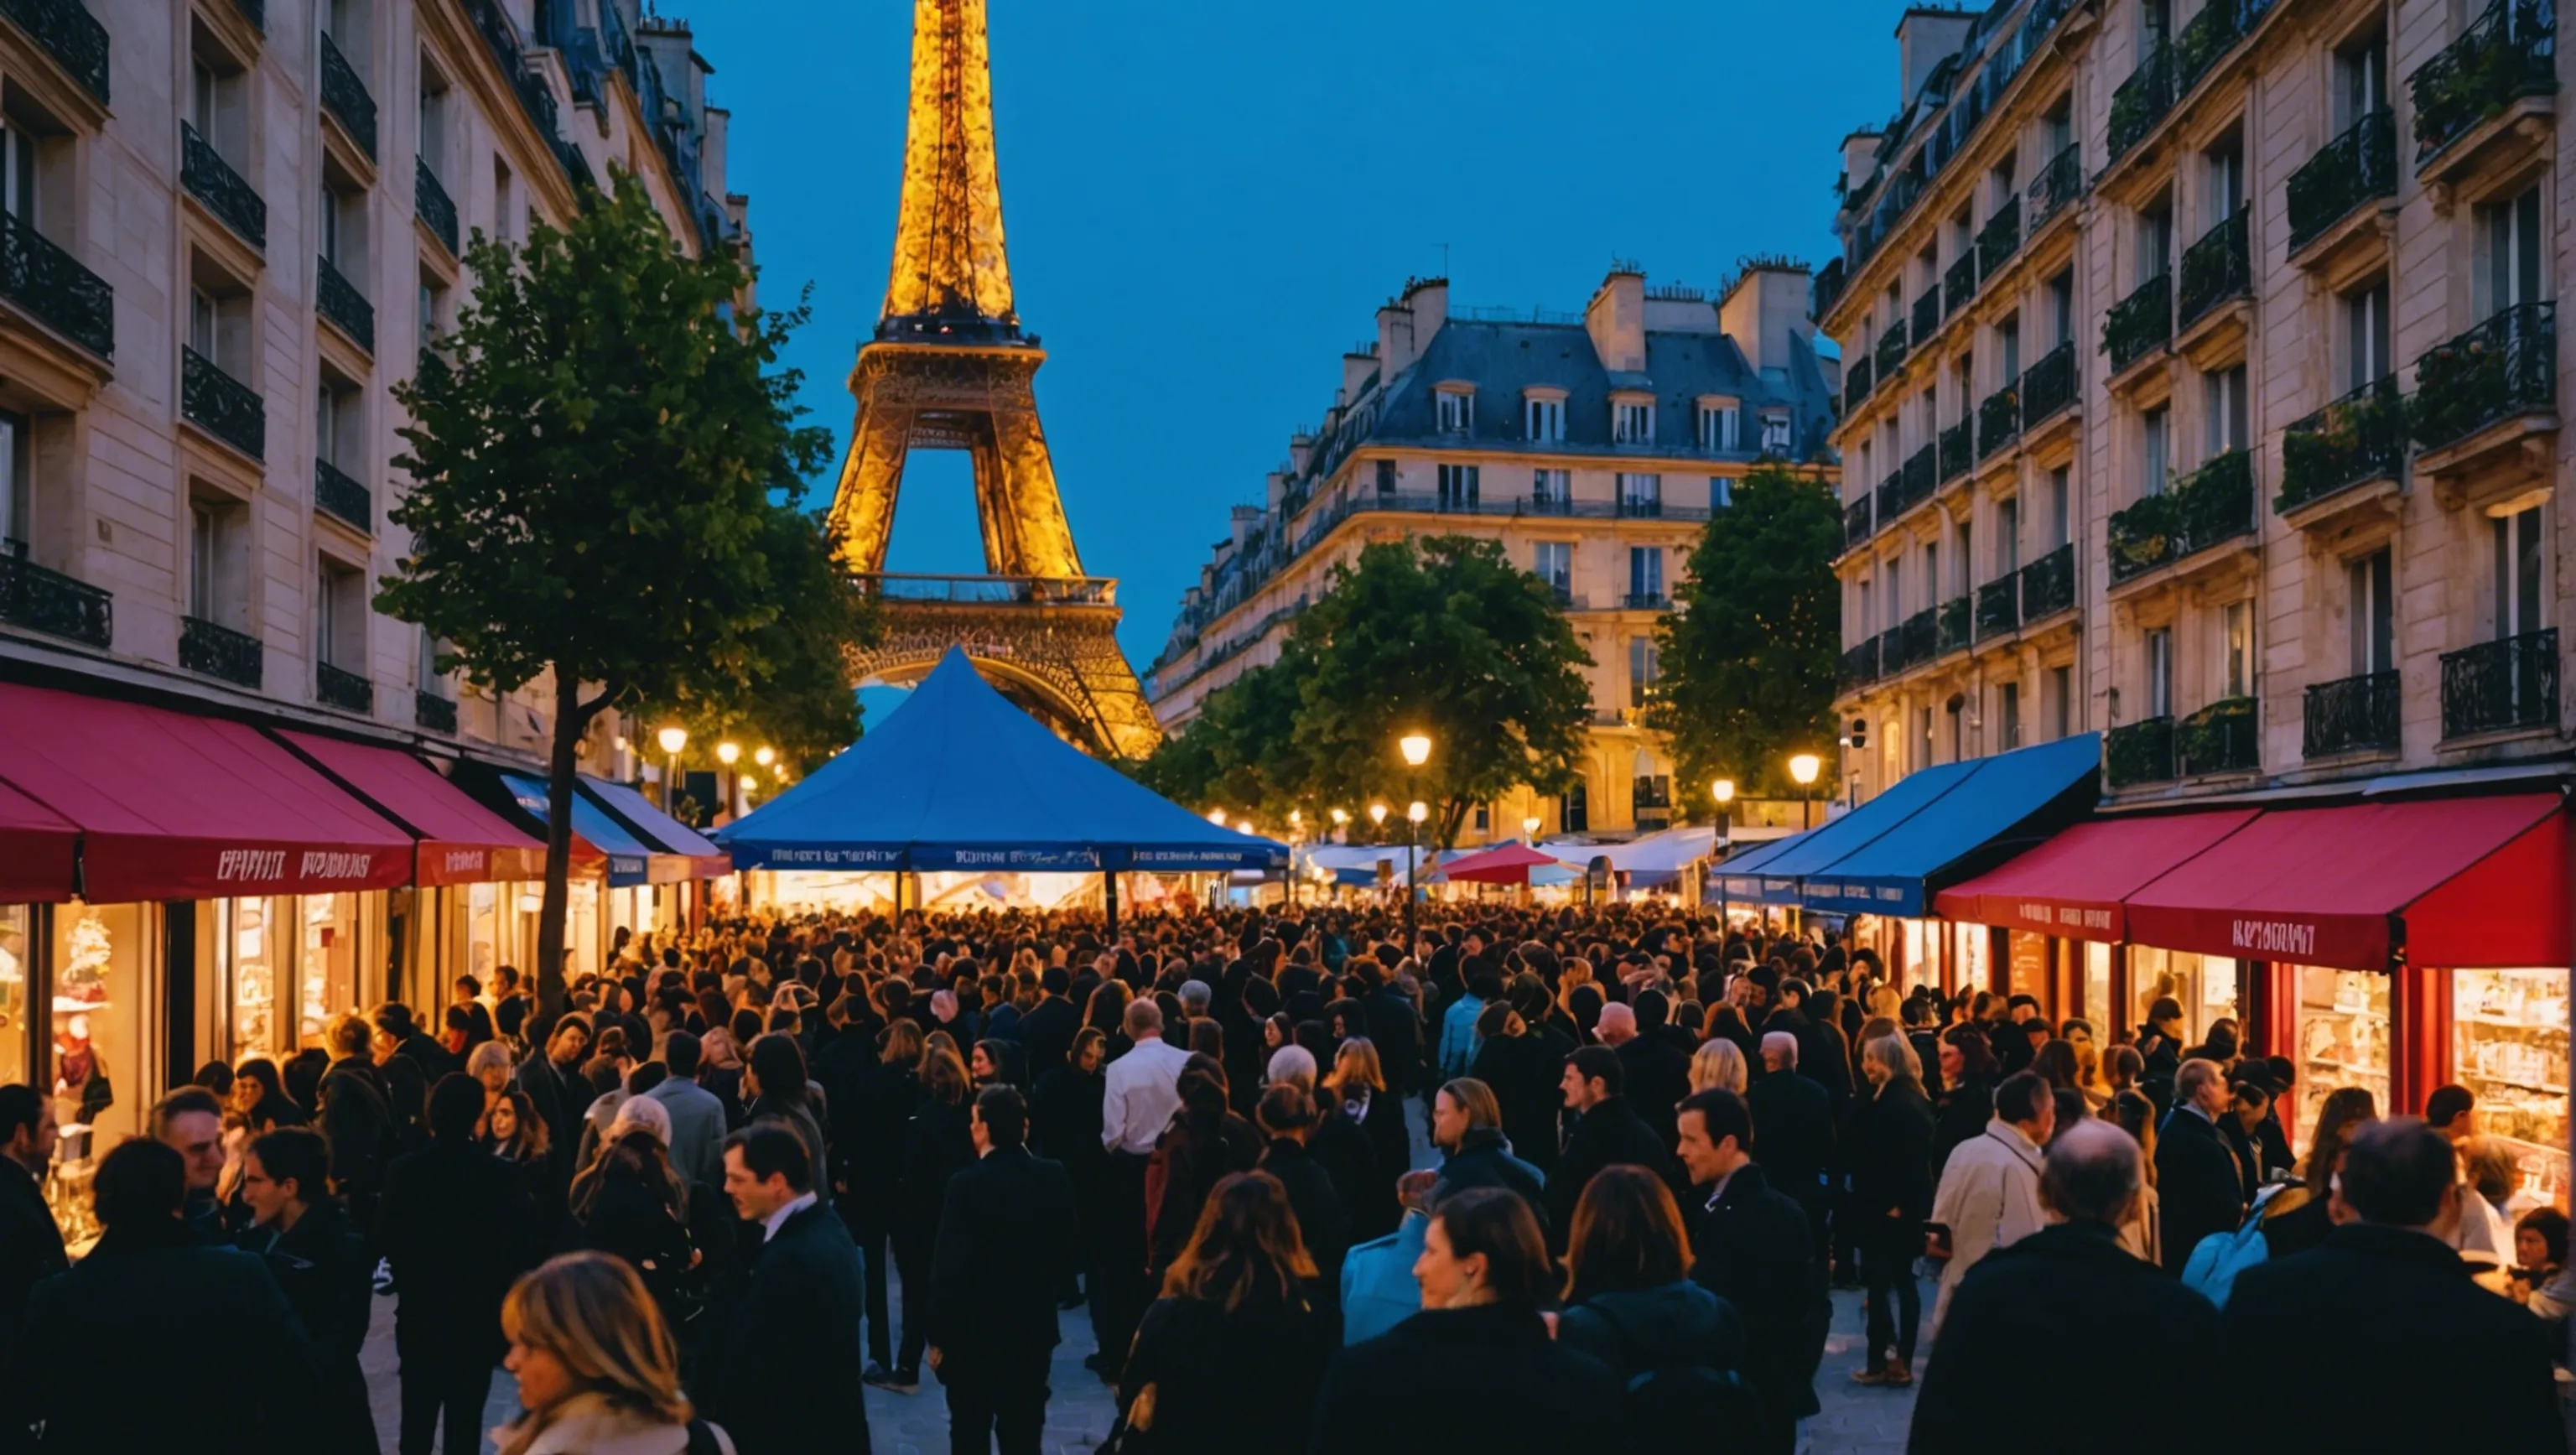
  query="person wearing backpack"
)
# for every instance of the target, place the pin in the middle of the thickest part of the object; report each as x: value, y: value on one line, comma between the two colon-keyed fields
x: 1676, y: 1348
x: 2018, y: 1367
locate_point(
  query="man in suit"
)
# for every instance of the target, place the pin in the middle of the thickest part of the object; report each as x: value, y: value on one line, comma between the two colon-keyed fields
x: 1609, y: 1132
x: 786, y: 1378
x: 1793, y: 1131
x: 455, y: 1226
x: 1005, y: 1245
x: 1046, y: 1032
x: 697, y: 1118
x: 2198, y: 1187
x: 323, y: 1266
x: 31, y: 1246
x: 1752, y: 1248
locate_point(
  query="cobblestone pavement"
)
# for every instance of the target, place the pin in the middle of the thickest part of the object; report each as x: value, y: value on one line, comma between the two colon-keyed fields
x: 1856, y: 1420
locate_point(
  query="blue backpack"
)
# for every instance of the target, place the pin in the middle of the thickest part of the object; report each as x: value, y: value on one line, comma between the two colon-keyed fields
x: 2213, y: 1266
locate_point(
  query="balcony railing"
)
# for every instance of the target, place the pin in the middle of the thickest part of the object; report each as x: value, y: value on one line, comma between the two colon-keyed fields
x: 224, y: 406
x: 211, y: 180
x: 1644, y: 601
x: 1927, y: 315
x: 2139, y: 752
x: 2361, y: 436
x: 2059, y: 181
x: 1856, y: 383
x: 345, y: 97
x: 2350, y: 715
x: 42, y: 600
x: 989, y: 590
x: 2048, y: 584
x: 2346, y: 172
x: 1919, y: 476
x: 1859, y: 664
x: 1959, y: 283
x: 2509, y: 53
x: 2210, y: 35
x: 1999, y: 606
x: 2505, y: 366
x: 48, y: 282
x: 435, y: 207
x: 1634, y: 507
x: 2212, y: 504
x: 2000, y: 238
x: 219, y: 651
x: 2141, y: 101
x: 1891, y: 349
x: 1998, y: 421
x: 1918, y: 637
x: 1957, y: 626
x: 338, y: 300
x: 1860, y: 522
x: 2511, y: 682
x: 2214, y: 269
x: 2140, y: 322
x: 433, y: 711
x: 345, y: 690
x: 1891, y: 495
x: 1958, y: 450
x: 2048, y: 385
x: 339, y: 495
x: 2224, y: 737
x: 65, y: 30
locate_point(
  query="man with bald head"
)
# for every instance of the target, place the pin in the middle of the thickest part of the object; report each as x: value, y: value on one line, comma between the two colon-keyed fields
x: 1793, y: 1132
x: 2019, y: 1356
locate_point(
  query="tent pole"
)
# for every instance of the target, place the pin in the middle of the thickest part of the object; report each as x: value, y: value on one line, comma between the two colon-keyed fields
x: 1109, y: 897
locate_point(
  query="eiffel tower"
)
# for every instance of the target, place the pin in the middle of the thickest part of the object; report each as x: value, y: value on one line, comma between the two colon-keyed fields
x: 950, y: 369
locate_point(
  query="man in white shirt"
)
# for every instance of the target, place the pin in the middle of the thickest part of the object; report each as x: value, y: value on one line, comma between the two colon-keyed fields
x: 1141, y: 1093
x: 1989, y: 1194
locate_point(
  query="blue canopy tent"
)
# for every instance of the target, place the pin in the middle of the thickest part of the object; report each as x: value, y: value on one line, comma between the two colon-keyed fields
x: 2008, y: 803
x: 958, y: 778
x: 629, y: 861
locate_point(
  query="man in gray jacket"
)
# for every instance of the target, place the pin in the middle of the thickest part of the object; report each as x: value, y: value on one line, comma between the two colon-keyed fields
x: 697, y: 1117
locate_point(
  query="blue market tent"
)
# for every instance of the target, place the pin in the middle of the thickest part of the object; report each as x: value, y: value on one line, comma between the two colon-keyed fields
x: 629, y: 861
x: 958, y: 778
x: 1740, y: 877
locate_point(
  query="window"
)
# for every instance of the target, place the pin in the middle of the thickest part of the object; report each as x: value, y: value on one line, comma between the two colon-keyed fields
x: 2008, y: 716
x: 2007, y: 536
x: 327, y: 217
x: 1543, y: 419
x: 1645, y: 667
x: 2061, y: 519
x: 1641, y: 494
x: 2008, y: 342
x: 17, y: 171
x: 2061, y: 308
x: 340, y: 631
x: 1457, y: 411
x: 2365, y: 315
x: 2223, y: 411
x: 1718, y: 428
x: 202, y: 321
x: 2510, y: 254
x: 1866, y: 615
x: 326, y: 427
x: 1552, y: 490
x: 1553, y: 563
x: 2060, y: 690
x: 2155, y: 453
x: 1895, y: 574
x: 433, y: 119
x: 219, y: 328
x: 17, y: 483
x: 1721, y: 492
x: 1645, y: 575
x: 1964, y: 553
x: 215, y: 588
x: 2160, y: 698
x: 1931, y: 574
x: 1458, y: 487
x: 1484, y: 818
x: 204, y: 87
x: 433, y: 311
x: 2236, y: 649
x: 505, y: 202
x: 425, y: 656
x: 1923, y: 739
x: 1958, y: 729
x: 2516, y: 540
x: 2223, y: 175
x: 1632, y: 424
x: 2374, y: 613
x: 1386, y: 477
x: 1574, y: 810
x: 2361, y: 80
x: 1775, y: 432
x: 2155, y: 240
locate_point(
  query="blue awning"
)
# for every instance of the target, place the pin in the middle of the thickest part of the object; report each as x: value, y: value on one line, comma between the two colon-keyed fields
x: 1782, y: 877
x: 680, y: 852
x: 1999, y: 807
x: 1740, y: 877
x: 629, y: 862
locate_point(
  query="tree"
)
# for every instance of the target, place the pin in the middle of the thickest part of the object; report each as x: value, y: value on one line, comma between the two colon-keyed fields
x: 1749, y: 663
x: 1240, y: 753
x: 593, y: 453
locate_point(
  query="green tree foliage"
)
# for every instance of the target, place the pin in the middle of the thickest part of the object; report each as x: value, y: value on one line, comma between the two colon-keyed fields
x: 594, y: 453
x: 1748, y: 664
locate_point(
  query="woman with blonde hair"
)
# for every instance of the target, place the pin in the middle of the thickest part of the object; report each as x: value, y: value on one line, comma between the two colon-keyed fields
x: 1718, y: 1063
x: 1356, y: 1091
x: 598, y: 1373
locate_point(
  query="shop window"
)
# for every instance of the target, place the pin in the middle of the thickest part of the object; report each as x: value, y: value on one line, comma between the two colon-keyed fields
x: 2203, y: 985
x: 326, y: 969
x: 2343, y: 1040
x: 2509, y: 1046
x: 2107, y: 1025
x: 17, y: 956
x: 244, y: 941
x: 102, y: 1078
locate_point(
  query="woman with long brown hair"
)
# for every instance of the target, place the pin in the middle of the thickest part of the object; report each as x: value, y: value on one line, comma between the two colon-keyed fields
x: 598, y: 1373
x: 1229, y: 1359
x: 1629, y: 1300
x: 939, y: 1144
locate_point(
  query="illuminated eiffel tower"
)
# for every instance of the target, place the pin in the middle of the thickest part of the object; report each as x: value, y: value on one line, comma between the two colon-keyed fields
x: 950, y: 369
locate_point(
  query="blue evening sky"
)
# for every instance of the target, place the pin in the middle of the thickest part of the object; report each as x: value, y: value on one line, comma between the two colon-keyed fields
x: 1207, y: 200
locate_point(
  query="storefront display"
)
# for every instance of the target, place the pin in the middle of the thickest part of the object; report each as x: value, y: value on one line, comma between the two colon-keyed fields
x: 2343, y: 1040
x: 326, y: 972
x: 100, y: 1031
x: 249, y: 955
x: 2509, y: 1046
x: 16, y: 953
x: 2097, y: 990
x: 2203, y: 985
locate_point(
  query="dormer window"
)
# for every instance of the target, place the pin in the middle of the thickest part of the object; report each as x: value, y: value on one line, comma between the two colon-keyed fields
x: 1632, y: 420
x: 1543, y: 416
x: 1775, y: 431
x: 1721, y: 428
x: 1457, y: 404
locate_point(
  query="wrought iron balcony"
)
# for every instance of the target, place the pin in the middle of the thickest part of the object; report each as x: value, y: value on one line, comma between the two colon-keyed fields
x: 2048, y: 584
x: 2214, y: 269
x: 2209, y: 36
x: 1958, y: 450
x: 2361, y: 436
x: 345, y: 97
x: 48, y: 282
x: 1891, y: 495
x: 1999, y: 606
x: 1638, y: 507
x: 2141, y: 101
x: 65, y: 30
x: 2139, y: 752
x: 2000, y: 238
x: 224, y: 406
x: 1891, y: 349
x: 339, y: 301
x: 339, y: 495
x: 1998, y: 421
x: 2351, y: 715
x: 1959, y: 282
x: 219, y: 651
x: 2224, y: 737
x: 1956, y: 627
x: 2511, y: 682
x: 1927, y: 315
x: 2509, y: 52
x: 2505, y: 366
x: 1830, y: 282
x: 211, y: 180
x: 1857, y: 380
x: 2059, y: 181
x: 345, y: 690
x: 433, y: 711
x: 2212, y: 504
x: 1860, y: 522
x: 1918, y: 637
x: 2048, y: 385
x: 2346, y: 172
x: 1859, y: 665
x: 42, y: 600
x: 2140, y: 322
x: 434, y: 206
x: 1644, y: 601
x: 1919, y: 476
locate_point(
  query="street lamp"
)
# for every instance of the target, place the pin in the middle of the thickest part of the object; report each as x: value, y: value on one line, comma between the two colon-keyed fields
x: 1296, y: 836
x: 727, y: 754
x: 1342, y: 824
x: 1416, y: 748
x: 765, y: 756
x: 1377, y: 814
x: 1529, y: 830
x: 1804, y: 767
x: 1414, y: 813
x: 672, y: 739
x: 1217, y: 816
x: 1723, y: 790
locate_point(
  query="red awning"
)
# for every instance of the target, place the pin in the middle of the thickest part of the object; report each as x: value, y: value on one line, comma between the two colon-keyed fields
x: 35, y: 851
x: 2072, y: 885
x: 178, y: 807
x: 2455, y: 882
x: 461, y: 841
x: 1510, y: 864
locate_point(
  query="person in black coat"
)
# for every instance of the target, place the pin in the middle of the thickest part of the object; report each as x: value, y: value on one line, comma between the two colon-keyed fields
x: 1047, y: 1030
x: 2377, y: 1339
x: 2199, y: 1189
x: 1750, y: 1247
x: 1891, y: 1195
x: 325, y: 1269
x: 1658, y: 1071
x: 159, y: 1342
x: 1064, y: 1128
x: 780, y: 1382
x: 1286, y: 1116
x: 867, y: 1147
x: 455, y: 1227
x: 1005, y: 1245
x: 1357, y: 1093
x: 31, y: 1244
x: 1395, y: 1029
x: 1609, y: 1132
x: 356, y: 1118
x: 1793, y: 1132
x: 939, y: 1144
x: 2020, y: 1348
x: 1464, y: 1126
x: 1524, y: 1077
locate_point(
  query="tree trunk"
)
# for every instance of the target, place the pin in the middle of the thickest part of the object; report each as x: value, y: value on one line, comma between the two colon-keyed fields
x: 560, y: 765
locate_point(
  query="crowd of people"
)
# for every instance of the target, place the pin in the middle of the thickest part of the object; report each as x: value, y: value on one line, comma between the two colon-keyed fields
x: 757, y: 1166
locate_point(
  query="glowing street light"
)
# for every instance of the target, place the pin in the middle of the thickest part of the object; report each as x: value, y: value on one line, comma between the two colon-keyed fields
x: 765, y: 756
x: 1417, y: 811
x: 1416, y: 748
x: 672, y: 739
x: 1804, y: 767
x: 1529, y: 828
x: 1723, y: 790
x: 1217, y: 816
x: 1377, y: 814
x: 727, y: 753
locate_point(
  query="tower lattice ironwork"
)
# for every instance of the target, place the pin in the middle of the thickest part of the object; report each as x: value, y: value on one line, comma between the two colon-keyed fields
x: 949, y: 369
